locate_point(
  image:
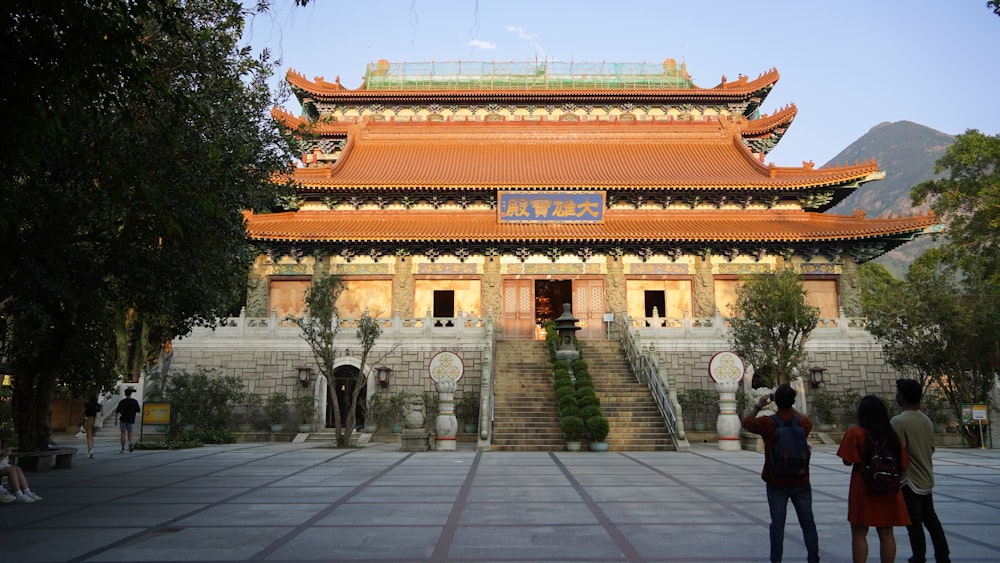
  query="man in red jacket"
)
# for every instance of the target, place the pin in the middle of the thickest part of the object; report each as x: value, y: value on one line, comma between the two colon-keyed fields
x: 781, y: 488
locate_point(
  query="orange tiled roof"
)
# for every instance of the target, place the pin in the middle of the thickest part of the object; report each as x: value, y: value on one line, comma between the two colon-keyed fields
x: 321, y: 128
x: 662, y: 154
x: 620, y: 225
x: 740, y: 89
x: 768, y: 123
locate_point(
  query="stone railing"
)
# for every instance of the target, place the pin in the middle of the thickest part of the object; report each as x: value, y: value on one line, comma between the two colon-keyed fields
x: 688, y: 327
x: 394, y: 327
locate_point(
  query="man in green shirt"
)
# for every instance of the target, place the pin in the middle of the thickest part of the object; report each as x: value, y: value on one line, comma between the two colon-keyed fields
x: 917, y: 433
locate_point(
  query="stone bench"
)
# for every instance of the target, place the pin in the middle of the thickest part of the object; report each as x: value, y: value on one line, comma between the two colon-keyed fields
x: 58, y: 458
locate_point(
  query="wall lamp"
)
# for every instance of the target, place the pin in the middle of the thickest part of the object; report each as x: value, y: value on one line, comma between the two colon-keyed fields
x: 816, y: 376
x: 305, y: 374
x: 383, y: 375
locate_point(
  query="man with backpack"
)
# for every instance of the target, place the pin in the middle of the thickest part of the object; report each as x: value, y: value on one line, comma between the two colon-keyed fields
x: 916, y: 432
x: 786, y: 467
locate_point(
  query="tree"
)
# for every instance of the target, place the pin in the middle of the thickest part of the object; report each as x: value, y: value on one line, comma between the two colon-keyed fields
x: 125, y: 168
x: 939, y: 326
x: 319, y: 330
x: 771, y: 324
x: 967, y: 197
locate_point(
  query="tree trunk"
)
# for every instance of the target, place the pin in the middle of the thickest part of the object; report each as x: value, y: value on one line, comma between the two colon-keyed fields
x: 33, y: 410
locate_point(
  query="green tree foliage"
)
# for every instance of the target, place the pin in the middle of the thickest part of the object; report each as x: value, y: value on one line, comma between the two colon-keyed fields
x: 206, y: 399
x: 771, y: 325
x: 938, y: 326
x: 135, y: 135
x: 967, y: 198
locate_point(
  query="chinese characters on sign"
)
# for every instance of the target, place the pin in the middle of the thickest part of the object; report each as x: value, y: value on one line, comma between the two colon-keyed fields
x: 551, y: 207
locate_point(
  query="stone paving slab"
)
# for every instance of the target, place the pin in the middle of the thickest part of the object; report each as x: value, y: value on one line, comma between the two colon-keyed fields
x: 304, y: 502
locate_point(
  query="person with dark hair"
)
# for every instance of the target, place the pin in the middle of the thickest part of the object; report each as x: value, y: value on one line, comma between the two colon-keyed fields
x: 127, y: 409
x: 864, y: 507
x: 917, y: 434
x: 91, y: 410
x: 782, y: 488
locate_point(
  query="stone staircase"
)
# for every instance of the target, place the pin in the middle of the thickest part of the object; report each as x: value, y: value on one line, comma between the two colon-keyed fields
x: 525, y: 414
x: 633, y: 417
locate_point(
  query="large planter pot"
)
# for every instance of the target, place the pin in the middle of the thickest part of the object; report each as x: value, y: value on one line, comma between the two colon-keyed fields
x: 825, y: 427
x: 470, y: 428
x: 371, y: 428
x: 245, y: 427
x: 305, y: 428
x: 573, y: 446
x: 189, y: 427
x: 699, y: 426
x: 277, y: 428
x: 397, y: 428
x: 939, y: 428
x: 598, y: 446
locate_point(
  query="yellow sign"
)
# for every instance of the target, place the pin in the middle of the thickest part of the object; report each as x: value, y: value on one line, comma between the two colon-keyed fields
x: 156, y: 413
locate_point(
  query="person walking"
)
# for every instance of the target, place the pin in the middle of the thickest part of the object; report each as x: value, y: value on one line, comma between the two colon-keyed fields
x: 916, y: 431
x: 92, y: 409
x: 127, y: 409
x: 782, y: 488
x: 864, y: 507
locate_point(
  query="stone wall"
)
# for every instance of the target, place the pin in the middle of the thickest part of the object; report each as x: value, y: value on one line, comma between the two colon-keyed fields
x: 855, y: 364
x: 267, y: 366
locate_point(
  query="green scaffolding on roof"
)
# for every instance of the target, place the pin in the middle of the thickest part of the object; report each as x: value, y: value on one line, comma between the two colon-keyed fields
x: 531, y: 75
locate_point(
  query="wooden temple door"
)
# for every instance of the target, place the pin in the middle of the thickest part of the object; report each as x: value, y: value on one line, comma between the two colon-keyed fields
x: 519, y: 309
x: 588, y: 307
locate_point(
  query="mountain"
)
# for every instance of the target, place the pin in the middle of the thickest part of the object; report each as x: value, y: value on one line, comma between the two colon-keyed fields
x: 906, y: 151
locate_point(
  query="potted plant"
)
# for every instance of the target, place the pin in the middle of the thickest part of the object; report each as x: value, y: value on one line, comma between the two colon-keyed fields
x: 395, y: 408
x: 251, y: 405
x: 825, y: 406
x: 698, y: 401
x: 467, y: 410
x: 597, y: 429
x: 573, y: 429
x: 305, y: 406
x: 375, y: 408
x: 276, y: 409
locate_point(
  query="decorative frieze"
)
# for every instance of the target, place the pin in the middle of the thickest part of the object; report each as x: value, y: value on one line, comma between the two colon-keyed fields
x: 658, y: 269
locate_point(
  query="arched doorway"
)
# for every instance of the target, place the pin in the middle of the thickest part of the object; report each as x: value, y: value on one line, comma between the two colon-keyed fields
x: 345, y: 379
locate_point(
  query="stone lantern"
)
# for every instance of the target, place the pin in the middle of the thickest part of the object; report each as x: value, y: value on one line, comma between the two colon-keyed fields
x: 566, y: 329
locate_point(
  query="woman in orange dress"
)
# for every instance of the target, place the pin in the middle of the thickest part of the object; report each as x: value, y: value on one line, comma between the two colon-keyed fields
x: 865, y: 508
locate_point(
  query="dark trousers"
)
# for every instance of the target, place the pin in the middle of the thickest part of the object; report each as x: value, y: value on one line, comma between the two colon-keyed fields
x: 921, y: 509
x: 777, y: 501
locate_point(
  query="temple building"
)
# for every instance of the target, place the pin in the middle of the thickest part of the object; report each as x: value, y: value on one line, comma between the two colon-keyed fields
x: 476, y: 189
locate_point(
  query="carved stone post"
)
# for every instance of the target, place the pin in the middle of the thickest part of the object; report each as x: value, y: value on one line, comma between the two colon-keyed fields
x: 726, y: 369
x: 446, y: 424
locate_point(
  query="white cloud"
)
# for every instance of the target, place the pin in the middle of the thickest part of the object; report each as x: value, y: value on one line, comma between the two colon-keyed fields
x: 521, y: 34
x: 484, y: 45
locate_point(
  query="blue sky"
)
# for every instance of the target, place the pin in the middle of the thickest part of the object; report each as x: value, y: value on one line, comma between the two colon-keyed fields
x: 847, y: 65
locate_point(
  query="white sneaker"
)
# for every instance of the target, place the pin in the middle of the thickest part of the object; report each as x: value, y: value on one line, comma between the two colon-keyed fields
x: 33, y: 496
x: 6, y: 497
x: 23, y: 499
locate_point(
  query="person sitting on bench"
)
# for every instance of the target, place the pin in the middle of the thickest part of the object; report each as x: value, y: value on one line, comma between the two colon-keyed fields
x: 15, y: 480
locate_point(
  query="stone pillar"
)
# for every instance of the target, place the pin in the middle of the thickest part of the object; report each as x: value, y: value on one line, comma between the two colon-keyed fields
x: 704, y: 288
x: 614, y: 286
x: 402, y: 287
x: 728, y: 425
x: 850, y: 287
x: 491, y: 299
x: 446, y: 424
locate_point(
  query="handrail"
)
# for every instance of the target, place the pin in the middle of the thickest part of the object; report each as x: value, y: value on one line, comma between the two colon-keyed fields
x: 486, y: 399
x: 646, y: 369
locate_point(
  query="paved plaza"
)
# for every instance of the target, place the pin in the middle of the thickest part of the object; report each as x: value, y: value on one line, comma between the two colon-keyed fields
x: 299, y: 502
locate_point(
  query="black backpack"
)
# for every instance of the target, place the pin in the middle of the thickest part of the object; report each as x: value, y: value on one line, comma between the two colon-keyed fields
x: 881, y: 473
x: 790, y: 454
